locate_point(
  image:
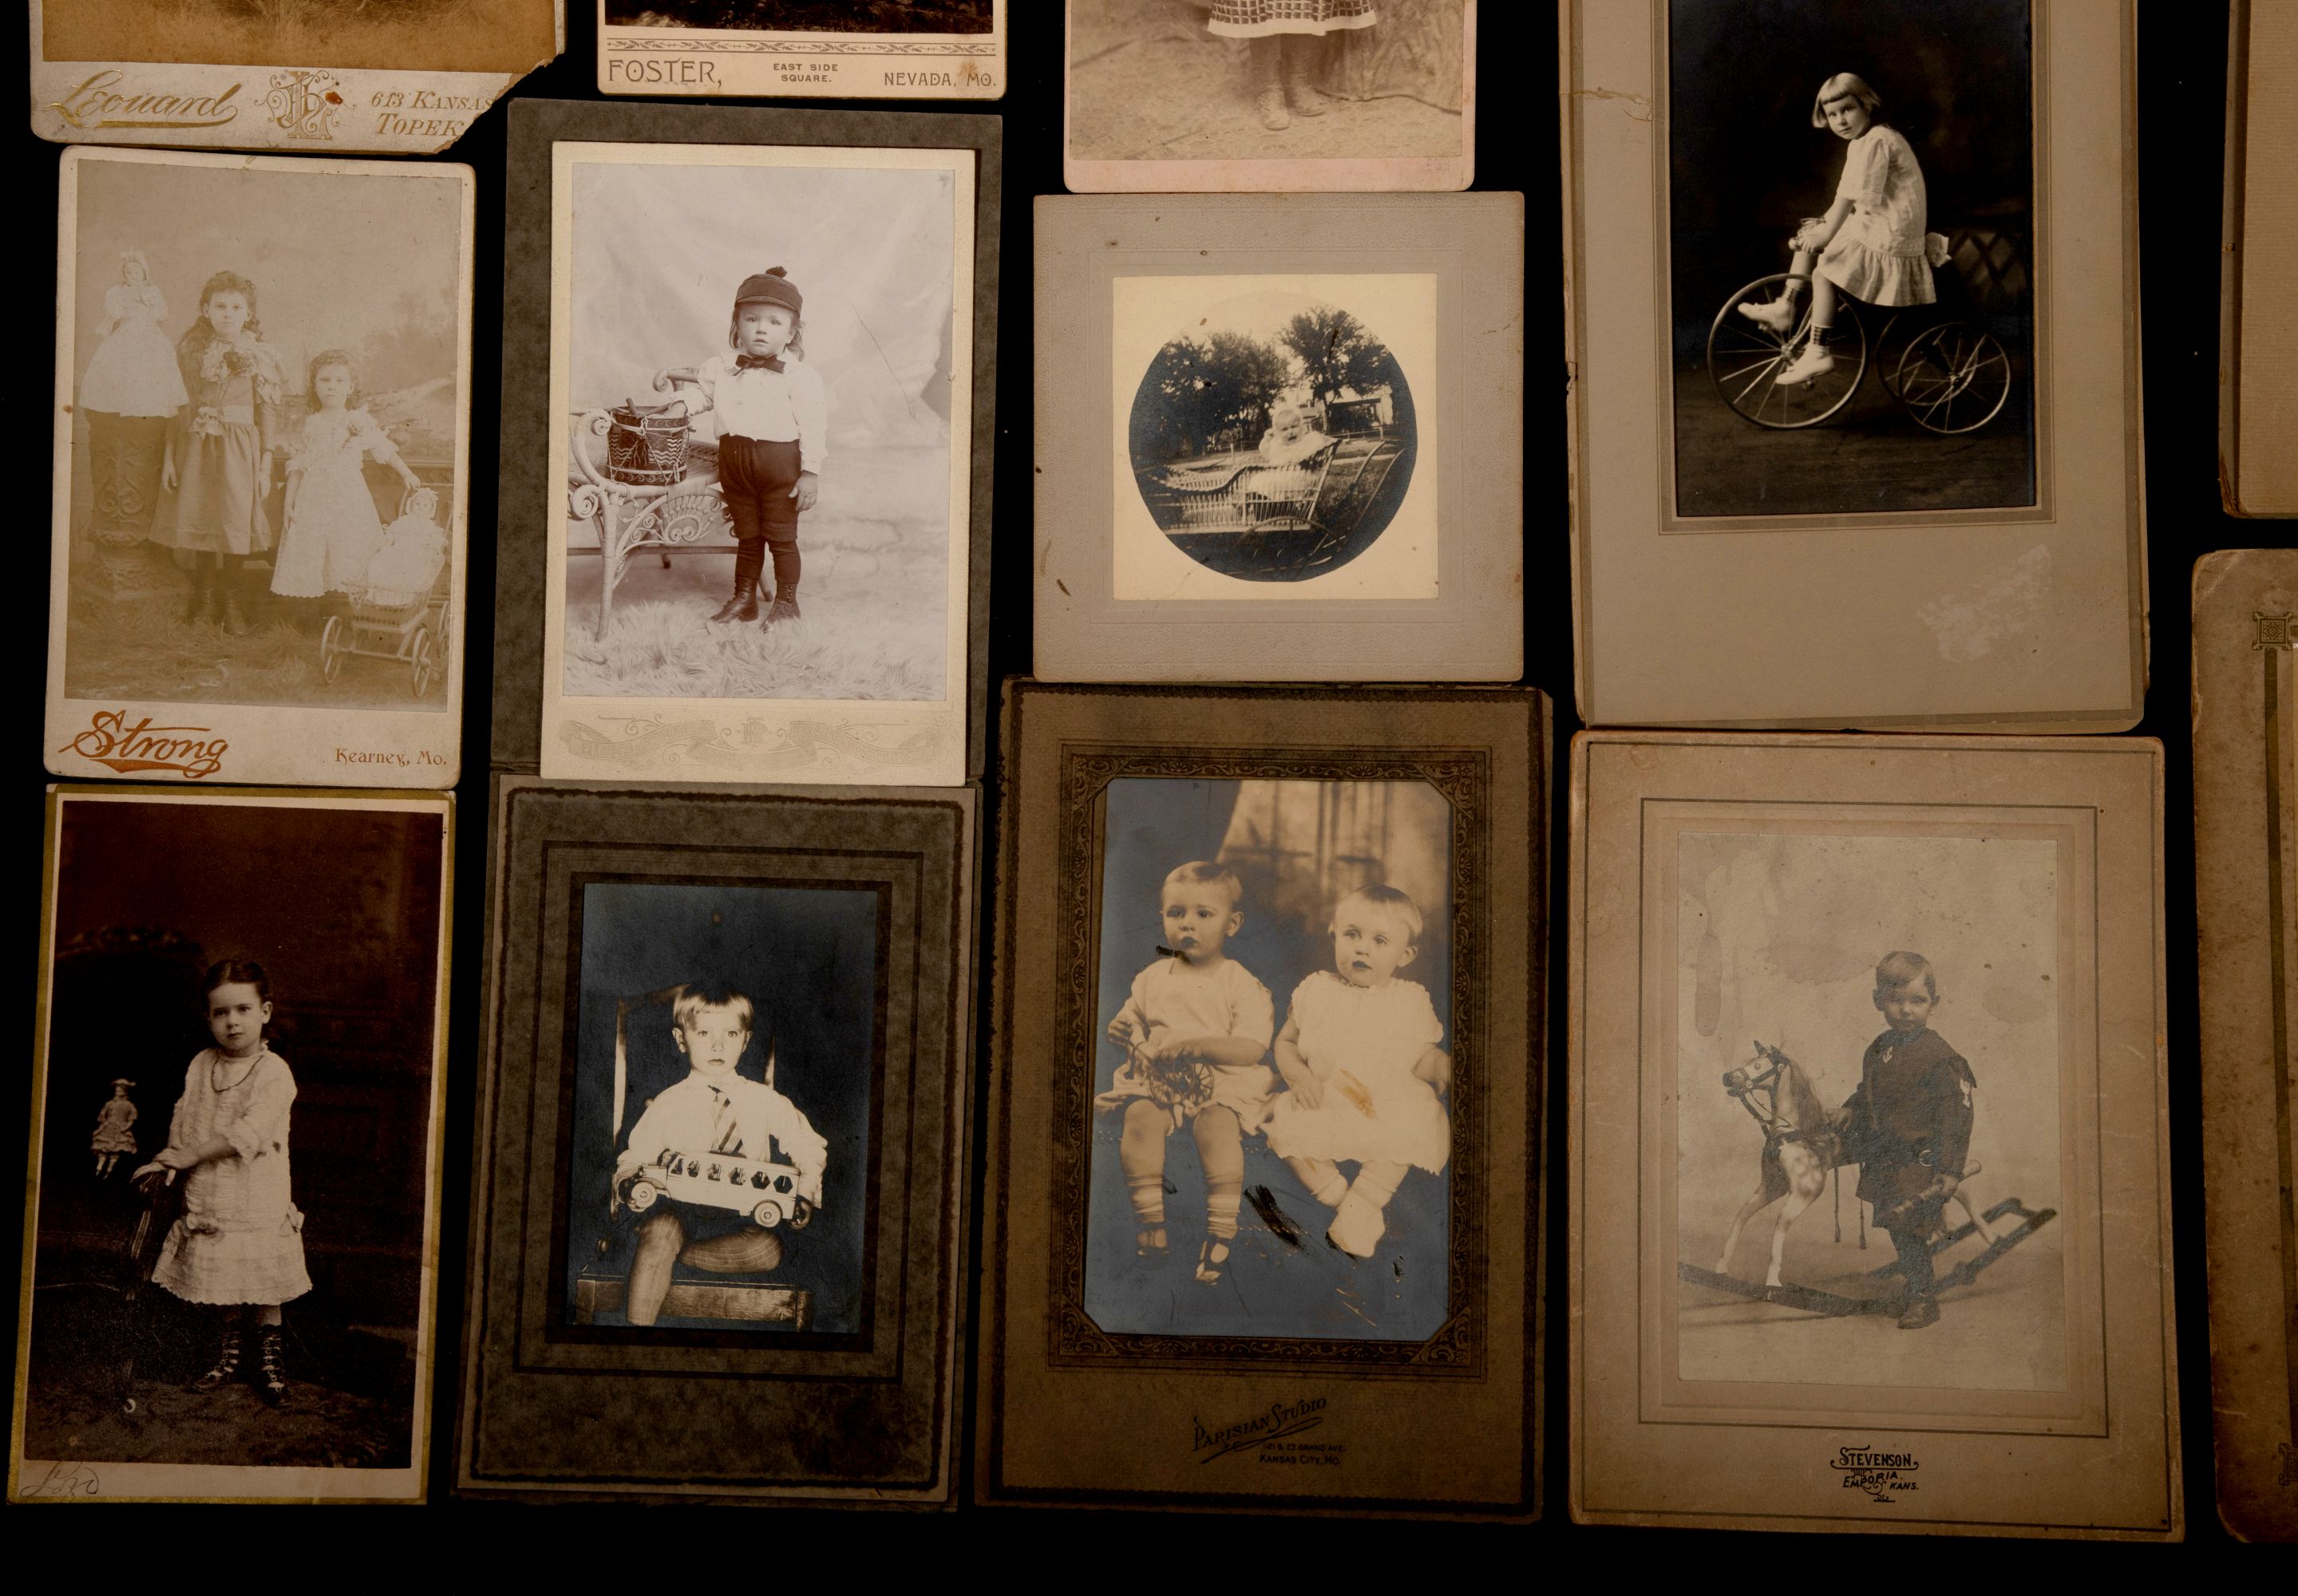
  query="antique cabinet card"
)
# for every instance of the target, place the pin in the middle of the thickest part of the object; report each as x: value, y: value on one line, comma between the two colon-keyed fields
x: 316, y: 77
x: 1270, y: 96
x: 752, y: 458
x: 232, y: 1192
x: 262, y: 419
x: 1870, y: 1164
x: 718, y: 1215
x: 1280, y: 440
x: 804, y: 49
x: 2257, y: 352
x: 1265, y: 1121
x: 2245, y: 734
x: 1878, y: 467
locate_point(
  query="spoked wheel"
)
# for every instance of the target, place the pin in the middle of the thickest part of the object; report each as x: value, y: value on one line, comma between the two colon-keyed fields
x: 1955, y: 378
x: 332, y: 649
x: 1745, y: 358
x: 425, y: 659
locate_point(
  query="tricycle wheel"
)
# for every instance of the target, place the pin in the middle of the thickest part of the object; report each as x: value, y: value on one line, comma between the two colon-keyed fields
x: 425, y: 660
x: 332, y: 649
x: 1955, y: 378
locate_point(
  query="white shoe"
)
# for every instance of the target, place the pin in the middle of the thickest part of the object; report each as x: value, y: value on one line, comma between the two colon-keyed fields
x: 1779, y: 315
x: 1815, y: 361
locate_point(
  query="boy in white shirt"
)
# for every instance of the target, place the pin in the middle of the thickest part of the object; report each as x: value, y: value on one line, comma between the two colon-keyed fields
x: 713, y: 1110
x: 773, y: 417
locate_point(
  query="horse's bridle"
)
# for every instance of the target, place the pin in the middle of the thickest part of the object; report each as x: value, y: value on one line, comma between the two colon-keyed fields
x: 1776, y: 1126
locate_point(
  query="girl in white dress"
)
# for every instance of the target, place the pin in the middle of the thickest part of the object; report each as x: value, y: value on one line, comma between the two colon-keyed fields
x: 333, y: 530
x: 132, y: 372
x: 239, y: 1244
x: 1363, y: 1068
x: 1195, y: 1032
x: 1872, y: 242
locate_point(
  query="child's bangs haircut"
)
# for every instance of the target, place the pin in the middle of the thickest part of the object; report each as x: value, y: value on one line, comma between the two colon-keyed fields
x: 1895, y: 970
x: 326, y: 358
x: 240, y: 972
x: 694, y: 998
x: 1382, y: 902
x: 1202, y: 872
x: 1844, y: 86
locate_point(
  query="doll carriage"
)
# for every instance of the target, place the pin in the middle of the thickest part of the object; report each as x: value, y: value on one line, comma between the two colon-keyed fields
x: 771, y: 1194
x: 1947, y: 365
x: 656, y: 487
x: 1241, y: 515
x: 401, y: 617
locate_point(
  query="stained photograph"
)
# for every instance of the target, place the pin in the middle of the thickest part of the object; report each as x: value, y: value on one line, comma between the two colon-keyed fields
x: 504, y: 36
x: 725, y: 1079
x: 1851, y: 256
x: 1868, y: 1130
x: 761, y: 484
x: 807, y: 16
x: 1274, y: 440
x: 1266, y: 80
x: 227, y: 1263
x: 265, y: 429
x: 1274, y: 1121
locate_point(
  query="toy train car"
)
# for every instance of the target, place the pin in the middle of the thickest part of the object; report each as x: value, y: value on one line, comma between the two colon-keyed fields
x: 771, y: 1194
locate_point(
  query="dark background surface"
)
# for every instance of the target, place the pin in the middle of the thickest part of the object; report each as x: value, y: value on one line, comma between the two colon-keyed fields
x: 2181, y: 92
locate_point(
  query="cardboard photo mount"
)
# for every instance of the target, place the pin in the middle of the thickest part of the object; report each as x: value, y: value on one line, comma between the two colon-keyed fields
x: 687, y: 1407
x: 1070, y: 1415
x: 2245, y: 643
x: 529, y: 500
x: 123, y: 72
x: 2257, y: 354
x: 2026, y: 619
x: 1770, y: 1446
x: 786, y: 56
x: 1466, y: 487
x: 129, y: 1345
x: 382, y: 645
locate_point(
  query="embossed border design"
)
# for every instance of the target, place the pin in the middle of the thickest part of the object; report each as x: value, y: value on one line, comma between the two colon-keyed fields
x: 1464, y: 777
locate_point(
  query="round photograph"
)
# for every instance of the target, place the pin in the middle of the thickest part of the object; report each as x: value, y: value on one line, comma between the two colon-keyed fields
x: 1274, y: 440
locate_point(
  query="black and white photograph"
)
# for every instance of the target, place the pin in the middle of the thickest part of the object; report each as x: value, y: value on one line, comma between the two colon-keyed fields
x: 235, y: 1149
x: 767, y: 445
x: 726, y: 1082
x: 1271, y: 1124
x: 1869, y: 1125
x: 1851, y: 256
x: 804, y: 49
x: 1270, y: 446
x: 1273, y: 440
x: 262, y: 403
x: 1285, y: 94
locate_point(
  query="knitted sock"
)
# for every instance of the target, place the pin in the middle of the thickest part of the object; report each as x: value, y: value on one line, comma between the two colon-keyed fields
x: 1220, y: 1209
x: 1323, y: 1178
x: 1147, y: 1195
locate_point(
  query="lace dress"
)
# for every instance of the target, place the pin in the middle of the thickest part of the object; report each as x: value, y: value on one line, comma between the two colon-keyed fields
x: 335, y: 530
x: 241, y: 1238
x: 1364, y: 1040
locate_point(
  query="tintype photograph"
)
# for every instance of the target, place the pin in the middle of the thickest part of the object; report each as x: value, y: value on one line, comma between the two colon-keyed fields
x: 1283, y: 94
x: 1264, y: 1147
x: 2245, y: 708
x: 317, y: 76
x: 766, y: 444
x: 228, y: 1276
x: 1871, y: 1024
x: 1271, y: 440
x: 804, y: 49
x: 1270, y: 1132
x: 262, y: 404
x: 719, y: 1174
x: 1851, y: 247
x: 1870, y: 1130
x: 726, y: 1071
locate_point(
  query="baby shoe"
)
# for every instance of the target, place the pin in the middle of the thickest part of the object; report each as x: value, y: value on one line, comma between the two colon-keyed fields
x: 1779, y: 315
x: 1815, y: 361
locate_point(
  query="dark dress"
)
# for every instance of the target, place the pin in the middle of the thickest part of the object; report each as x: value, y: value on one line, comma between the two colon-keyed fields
x: 1908, y: 1124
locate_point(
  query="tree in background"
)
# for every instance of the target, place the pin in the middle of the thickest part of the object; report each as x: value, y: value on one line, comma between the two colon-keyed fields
x: 1337, y: 351
x: 1205, y: 386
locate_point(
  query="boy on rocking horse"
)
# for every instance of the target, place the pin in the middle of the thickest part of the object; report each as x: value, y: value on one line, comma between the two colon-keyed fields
x: 1908, y: 1125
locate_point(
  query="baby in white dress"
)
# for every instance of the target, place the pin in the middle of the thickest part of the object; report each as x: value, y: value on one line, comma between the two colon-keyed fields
x: 1360, y: 1060
x: 1195, y: 1030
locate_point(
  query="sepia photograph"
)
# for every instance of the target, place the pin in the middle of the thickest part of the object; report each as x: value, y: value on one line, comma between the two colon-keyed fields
x: 1851, y: 256
x: 725, y: 1079
x: 804, y: 49
x: 807, y: 16
x: 1270, y: 1123
x: 1868, y: 1126
x: 227, y: 1276
x: 1274, y: 440
x: 1195, y: 95
x: 508, y: 36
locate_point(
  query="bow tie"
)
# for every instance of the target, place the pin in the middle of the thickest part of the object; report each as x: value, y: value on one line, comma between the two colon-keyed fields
x: 746, y: 362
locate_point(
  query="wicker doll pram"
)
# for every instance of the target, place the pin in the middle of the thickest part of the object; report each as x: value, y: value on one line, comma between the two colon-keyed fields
x: 408, y: 626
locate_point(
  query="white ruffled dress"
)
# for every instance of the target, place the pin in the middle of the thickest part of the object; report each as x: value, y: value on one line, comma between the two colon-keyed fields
x: 241, y: 1238
x: 1879, y: 254
x: 1364, y: 1040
